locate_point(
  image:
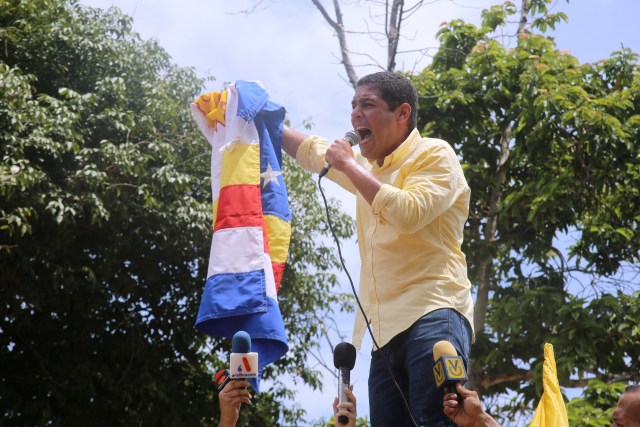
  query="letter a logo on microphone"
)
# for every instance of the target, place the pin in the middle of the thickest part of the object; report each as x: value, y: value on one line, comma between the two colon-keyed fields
x: 247, y: 365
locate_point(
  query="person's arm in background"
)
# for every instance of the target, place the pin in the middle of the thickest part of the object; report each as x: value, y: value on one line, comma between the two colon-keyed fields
x: 469, y: 412
x: 348, y: 409
x: 231, y: 398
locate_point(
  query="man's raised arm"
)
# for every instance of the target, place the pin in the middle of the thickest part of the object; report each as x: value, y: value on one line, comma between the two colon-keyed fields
x: 291, y: 140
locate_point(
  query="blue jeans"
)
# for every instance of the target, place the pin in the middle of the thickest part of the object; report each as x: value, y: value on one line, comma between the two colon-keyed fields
x: 410, y: 358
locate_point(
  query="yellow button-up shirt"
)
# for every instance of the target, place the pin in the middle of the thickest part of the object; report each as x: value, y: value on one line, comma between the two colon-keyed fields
x: 410, y: 237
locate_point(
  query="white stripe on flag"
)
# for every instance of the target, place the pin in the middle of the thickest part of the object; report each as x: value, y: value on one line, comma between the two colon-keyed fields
x: 236, y: 250
x: 270, y: 282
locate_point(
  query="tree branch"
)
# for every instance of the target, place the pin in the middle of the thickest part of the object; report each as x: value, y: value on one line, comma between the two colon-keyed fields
x: 394, y: 22
x: 523, y: 17
x: 338, y: 27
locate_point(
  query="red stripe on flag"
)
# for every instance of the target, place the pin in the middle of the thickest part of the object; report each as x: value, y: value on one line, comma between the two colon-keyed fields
x: 278, y: 272
x: 239, y: 206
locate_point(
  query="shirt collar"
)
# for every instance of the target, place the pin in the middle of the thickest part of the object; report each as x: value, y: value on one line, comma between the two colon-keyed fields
x: 399, y: 152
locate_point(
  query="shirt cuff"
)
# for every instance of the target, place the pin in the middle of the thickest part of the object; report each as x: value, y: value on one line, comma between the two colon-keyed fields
x: 385, y: 194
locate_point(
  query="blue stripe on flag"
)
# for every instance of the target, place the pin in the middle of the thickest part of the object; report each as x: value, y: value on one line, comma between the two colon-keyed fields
x: 230, y: 294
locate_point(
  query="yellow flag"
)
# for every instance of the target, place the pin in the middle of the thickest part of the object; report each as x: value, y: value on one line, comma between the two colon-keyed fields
x: 551, y: 411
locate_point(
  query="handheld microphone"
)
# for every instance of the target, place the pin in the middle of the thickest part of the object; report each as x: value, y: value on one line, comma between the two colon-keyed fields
x: 242, y: 363
x: 449, y: 368
x: 344, y: 359
x: 353, y: 138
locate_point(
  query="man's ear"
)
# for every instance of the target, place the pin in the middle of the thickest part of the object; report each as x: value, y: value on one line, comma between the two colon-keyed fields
x: 403, y: 112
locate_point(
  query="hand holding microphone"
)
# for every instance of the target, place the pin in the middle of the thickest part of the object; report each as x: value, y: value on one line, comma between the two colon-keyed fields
x: 345, y: 410
x: 344, y: 359
x: 353, y: 138
x: 243, y: 364
x: 461, y: 405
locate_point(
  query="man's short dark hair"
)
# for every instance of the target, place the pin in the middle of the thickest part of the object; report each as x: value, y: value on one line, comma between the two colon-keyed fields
x: 395, y: 89
x: 632, y: 387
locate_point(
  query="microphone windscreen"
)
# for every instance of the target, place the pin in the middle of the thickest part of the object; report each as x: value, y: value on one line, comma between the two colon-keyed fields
x: 443, y: 348
x: 448, y: 367
x: 241, y: 343
x: 353, y: 137
x: 344, y: 356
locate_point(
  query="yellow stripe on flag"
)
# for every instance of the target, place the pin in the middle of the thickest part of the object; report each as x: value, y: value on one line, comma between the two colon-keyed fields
x: 240, y: 164
x: 215, y: 212
x: 279, y: 235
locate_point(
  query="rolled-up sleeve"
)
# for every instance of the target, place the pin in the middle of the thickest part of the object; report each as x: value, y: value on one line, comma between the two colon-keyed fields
x: 425, y: 189
x: 310, y: 154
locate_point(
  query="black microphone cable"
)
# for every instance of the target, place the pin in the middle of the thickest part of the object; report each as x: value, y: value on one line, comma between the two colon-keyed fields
x: 355, y: 294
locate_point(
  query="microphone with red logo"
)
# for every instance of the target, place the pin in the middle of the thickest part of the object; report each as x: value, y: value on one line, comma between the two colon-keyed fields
x: 243, y: 363
x: 449, y: 367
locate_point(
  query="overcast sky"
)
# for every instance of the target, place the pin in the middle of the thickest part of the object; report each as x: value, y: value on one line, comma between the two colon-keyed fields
x: 288, y: 47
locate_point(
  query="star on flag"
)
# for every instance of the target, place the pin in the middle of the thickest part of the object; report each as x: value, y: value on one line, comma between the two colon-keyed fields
x: 270, y: 175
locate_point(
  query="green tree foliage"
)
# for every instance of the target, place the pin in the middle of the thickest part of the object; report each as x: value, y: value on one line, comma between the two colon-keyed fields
x: 550, y: 150
x: 105, y: 231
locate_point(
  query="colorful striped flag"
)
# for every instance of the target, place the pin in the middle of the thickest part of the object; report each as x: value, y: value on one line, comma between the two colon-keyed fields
x: 251, y: 218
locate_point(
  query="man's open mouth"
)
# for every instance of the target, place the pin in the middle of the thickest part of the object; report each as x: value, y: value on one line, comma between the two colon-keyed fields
x: 364, y: 133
